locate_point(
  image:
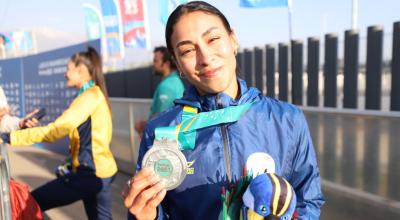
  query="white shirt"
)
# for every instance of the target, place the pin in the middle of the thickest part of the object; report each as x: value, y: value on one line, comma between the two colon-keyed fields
x: 8, y: 122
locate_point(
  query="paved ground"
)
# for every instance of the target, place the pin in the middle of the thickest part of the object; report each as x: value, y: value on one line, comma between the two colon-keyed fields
x: 35, y: 166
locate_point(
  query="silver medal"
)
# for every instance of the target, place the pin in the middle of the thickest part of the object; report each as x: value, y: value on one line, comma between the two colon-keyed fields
x: 167, y: 161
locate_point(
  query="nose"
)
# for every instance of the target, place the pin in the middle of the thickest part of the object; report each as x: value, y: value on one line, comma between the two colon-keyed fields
x: 204, y: 55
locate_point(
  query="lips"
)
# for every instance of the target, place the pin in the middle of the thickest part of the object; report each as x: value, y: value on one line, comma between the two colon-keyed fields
x: 210, y: 72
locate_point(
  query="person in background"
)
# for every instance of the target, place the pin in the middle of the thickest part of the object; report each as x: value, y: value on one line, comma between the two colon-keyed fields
x: 235, y: 129
x: 170, y: 88
x: 88, y: 124
x: 8, y: 122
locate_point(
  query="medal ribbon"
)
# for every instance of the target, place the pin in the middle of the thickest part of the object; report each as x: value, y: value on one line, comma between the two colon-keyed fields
x: 185, y: 132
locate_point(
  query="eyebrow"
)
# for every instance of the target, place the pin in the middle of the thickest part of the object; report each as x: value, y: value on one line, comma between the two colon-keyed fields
x: 190, y: 42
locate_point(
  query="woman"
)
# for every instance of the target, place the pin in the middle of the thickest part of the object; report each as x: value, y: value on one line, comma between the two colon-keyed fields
x: 87, y: 121
x: 270, y: 136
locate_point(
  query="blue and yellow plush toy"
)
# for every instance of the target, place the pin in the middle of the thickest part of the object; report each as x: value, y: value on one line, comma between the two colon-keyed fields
x: 268, y: 195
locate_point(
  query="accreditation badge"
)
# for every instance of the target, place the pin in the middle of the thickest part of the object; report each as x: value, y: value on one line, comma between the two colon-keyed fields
x: 167, y: 161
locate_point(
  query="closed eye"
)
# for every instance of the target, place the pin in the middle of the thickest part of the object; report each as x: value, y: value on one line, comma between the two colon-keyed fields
x: 187, y: 51
x: 213, y: 39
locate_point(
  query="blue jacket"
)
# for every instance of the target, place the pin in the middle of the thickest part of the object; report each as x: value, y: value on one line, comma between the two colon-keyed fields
x: 270, y: 126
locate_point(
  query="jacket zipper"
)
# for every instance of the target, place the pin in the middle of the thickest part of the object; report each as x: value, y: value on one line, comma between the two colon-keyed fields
x: 227, y: 153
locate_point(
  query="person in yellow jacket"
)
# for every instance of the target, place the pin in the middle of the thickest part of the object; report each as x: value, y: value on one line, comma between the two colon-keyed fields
x: 88, y: 123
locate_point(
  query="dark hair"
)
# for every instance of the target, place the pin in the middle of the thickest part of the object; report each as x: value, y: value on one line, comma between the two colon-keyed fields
x: 166, y: 56
x: 187, y: 8
x: 92, y: 60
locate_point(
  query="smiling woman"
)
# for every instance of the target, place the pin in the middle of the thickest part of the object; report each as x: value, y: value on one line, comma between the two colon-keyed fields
x: 206, y: 53
x: 225, y: 131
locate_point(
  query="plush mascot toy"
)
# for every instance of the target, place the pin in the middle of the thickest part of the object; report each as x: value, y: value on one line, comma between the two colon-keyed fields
x: 268, y: 196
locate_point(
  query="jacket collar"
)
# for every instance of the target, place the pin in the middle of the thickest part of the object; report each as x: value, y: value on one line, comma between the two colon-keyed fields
x: 212, y: 102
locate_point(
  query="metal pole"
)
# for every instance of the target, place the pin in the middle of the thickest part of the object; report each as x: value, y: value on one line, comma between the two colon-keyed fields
x: 395, y: 93
x: 297, y: 72
x: 350, y: 87
x: 373, y: 88
x: 283, y: 71
x: 270, y: 69
x: 313, y: 71
x: 290, y: 19
x: 258, y: 69
x: 330, y: 70
x: 354, y: 14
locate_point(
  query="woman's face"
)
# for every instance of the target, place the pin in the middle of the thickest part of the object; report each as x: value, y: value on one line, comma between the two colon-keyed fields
x: 73, y: 76
x: 205, y: 53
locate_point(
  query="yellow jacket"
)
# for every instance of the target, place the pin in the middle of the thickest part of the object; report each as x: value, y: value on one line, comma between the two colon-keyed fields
x: 88, y: 123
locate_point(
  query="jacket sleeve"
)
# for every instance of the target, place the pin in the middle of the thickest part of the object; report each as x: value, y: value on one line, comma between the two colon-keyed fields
x: 305, y: 177
x: 78, y: 112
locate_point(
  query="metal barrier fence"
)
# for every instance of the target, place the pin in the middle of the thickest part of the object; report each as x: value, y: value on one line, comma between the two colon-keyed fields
x: 5, y: 203
x: 125, y: 142
x: 358, y: 155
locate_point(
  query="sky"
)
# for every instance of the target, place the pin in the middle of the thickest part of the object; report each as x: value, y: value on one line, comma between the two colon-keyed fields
x: 59, y: 23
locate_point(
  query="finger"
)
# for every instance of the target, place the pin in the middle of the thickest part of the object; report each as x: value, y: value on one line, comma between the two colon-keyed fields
x: 126, y: 188
x: 153, y: 203
x: 29, y: 124
x: 143, y: 173
x: 32, y: 113
x: 137, y: 186
x: 145, y: 196
x: 34, y: 122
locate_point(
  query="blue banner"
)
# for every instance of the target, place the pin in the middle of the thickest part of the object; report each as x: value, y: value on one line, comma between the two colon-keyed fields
x: 113, y: 28
x: 263, y: 3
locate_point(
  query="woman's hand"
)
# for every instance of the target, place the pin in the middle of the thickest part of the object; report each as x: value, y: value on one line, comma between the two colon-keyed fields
x: 143, y: 194
x: 29, y: 121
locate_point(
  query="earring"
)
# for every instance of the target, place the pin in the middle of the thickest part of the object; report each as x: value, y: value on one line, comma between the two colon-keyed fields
x: 181, y: 75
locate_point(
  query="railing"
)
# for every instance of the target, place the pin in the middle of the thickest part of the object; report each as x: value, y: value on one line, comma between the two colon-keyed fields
x: 5, y: 203
x: 358, y: 155
x: 125, y: 142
